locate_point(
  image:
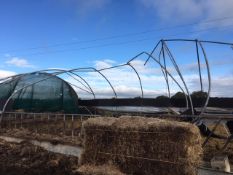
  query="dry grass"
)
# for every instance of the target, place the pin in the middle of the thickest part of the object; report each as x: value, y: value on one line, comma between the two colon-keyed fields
x: 99, y: 170
x: 139, y: 145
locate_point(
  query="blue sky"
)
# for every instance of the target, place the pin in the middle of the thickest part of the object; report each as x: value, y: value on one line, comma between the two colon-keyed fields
x: 79, y: 33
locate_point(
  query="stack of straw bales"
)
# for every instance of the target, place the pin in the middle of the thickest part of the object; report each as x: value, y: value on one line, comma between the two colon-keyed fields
x: 139, y: 145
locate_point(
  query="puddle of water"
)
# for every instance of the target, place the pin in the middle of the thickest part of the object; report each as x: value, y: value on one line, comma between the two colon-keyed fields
x: 59, y: 148
x: 11, y: 139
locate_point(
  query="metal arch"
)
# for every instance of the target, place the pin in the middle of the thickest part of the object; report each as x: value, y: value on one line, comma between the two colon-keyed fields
x: 199, y: 65
x: 85, y: 82
x: 99, y: 71
x: 206, y: 60
x: 152, y: 52
x: 165, y: 75
x: 140, y: 81
x: 179, y: 73
x: 72, y: 76
x: 71, y: 71
x: 121, y: 65
x: 209, y: 78
x: 90, y: 92
x: 162, y: 67
x: 79, y: 87
x: 107, y: 81
x: 202, y: 41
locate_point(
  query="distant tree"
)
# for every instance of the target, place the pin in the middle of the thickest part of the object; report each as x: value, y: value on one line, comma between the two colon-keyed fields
x: 178, y: 99
x: 199, y: 94
x: 162, y: 100
x: 178, y: 95
x: 198, y: 98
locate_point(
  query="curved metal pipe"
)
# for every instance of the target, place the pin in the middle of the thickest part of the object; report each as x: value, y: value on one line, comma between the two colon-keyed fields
x: 86, y: 83
x: 165, y: 69
x: 79, y: 88
x: 166, y: 78
x: 152, y: 52
x: 199, y: 65
x: 161, y: 52
x: 107, y: 81
x: 179, y: 73
x: 209, y: 78
x: 95, y: 70
x: 90, y: 92
x: 137, y: 76
x: 162, y: 67
x: 73, y: 77
x: 202, y: 41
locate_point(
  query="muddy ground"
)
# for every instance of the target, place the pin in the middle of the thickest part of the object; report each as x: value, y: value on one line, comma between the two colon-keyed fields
x: 27, y: 159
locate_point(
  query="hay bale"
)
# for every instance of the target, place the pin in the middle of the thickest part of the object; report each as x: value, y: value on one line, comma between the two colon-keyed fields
x: 139, y: 145
x: 99, y: 170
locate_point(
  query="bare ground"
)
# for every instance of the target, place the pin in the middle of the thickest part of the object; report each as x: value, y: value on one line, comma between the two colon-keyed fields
x: 27, y: 159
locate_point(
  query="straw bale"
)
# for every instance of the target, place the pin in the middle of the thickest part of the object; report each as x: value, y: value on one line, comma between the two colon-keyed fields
x: 99, y: 170
x: 139, y: 145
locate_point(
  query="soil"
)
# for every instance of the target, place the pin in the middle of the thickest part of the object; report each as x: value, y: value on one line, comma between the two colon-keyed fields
x: 27, y: 159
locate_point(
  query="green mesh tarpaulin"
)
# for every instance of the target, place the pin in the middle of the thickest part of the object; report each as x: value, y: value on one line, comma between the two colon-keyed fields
x: 38, y: 92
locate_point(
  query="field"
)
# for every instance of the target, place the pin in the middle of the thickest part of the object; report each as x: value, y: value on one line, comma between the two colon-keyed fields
x: 59, y: 129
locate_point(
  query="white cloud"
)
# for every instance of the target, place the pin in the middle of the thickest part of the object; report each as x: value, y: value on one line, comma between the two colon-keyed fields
x: 5, y: 73
x: 179, y: 9
x: 101, y: 64
x: 19, y: 62
x: 190, y: 10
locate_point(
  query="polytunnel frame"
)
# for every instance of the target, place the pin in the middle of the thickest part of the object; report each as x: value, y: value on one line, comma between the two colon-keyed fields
x: 197, y: 42
x: 31, y: 84
x: 52, y: 75
x: 164, y: 48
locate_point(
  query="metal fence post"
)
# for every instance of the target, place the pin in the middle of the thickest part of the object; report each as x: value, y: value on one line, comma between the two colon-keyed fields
x: 15, y: 121
x: 34, y: 119
x: 64, y: 124
x: 21, y: 120
x: 48, y: 123
x: 72, y: 127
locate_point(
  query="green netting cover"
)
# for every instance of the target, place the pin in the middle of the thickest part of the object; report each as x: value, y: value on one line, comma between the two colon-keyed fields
x: 38, y: 92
